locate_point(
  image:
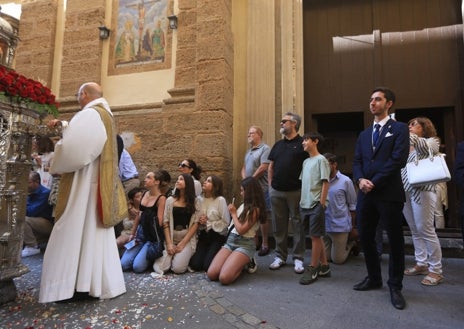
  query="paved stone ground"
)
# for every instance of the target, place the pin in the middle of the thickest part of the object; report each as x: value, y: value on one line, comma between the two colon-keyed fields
x: 266, y: 299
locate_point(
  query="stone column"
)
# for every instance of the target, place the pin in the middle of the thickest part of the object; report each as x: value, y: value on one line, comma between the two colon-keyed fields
x: 200, y: 109
x: 34, y: 54
x: 291, y: 50
x: 82, y: 48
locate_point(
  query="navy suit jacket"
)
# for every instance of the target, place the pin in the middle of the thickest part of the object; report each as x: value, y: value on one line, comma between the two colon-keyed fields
x: 459, y: 173
x: 383, y: 164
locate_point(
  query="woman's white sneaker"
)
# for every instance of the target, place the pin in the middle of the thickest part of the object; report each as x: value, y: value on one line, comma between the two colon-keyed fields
x: 299, y: 268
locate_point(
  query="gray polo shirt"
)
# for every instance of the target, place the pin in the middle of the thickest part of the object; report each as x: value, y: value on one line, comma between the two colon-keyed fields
x: 253, y: 159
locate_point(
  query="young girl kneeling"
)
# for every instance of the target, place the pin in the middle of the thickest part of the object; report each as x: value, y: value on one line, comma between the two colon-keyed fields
x: 240, y: 247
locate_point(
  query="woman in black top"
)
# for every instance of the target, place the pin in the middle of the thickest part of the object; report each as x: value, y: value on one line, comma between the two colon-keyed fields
x: 151, y: 207
x: 180, y: 224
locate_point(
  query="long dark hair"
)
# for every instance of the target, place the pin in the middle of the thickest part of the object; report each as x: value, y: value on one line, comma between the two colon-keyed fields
x: 196, y: 170
x: 189, y: 193
x: 253, y: 200
x: 131, y: 194
x: 218, y: 189
x: 164, y: 179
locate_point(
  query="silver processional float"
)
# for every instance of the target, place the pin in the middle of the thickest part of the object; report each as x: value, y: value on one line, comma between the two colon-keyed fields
x: 23, y: 104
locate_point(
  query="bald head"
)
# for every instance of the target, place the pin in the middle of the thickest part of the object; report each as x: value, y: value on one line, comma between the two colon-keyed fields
x: 88, y: 92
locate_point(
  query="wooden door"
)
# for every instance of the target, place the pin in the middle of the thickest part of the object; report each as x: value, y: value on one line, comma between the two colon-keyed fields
x: 415, y: 47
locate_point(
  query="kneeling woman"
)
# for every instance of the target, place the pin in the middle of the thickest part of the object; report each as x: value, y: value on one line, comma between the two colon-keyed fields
x: 152, y: 207
x: 240, y: 247
x: 213, y: 222
x: 180, y: 224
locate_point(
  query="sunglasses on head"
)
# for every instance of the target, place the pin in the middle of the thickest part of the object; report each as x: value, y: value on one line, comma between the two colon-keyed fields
x: 183, y: 165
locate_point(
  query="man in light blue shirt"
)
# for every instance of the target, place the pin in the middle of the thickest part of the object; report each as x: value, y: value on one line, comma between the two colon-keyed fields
x: 339, y: 214
x: 128, y: 172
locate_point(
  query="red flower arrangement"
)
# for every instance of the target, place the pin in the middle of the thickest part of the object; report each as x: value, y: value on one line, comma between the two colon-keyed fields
x: 15, y: 87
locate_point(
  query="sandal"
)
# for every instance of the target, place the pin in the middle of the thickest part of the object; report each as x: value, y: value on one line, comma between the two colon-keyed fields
x: 417, y: 270
x: 432, y: 279
x: 263, y: 251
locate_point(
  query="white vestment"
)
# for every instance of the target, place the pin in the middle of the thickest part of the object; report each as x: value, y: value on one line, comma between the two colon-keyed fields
x: 81, y: 254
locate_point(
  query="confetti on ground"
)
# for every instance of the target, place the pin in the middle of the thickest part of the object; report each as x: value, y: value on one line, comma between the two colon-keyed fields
x: 173, y: 299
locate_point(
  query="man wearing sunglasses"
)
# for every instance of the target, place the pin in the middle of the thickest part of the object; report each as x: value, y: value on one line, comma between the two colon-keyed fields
x: 286, y: 160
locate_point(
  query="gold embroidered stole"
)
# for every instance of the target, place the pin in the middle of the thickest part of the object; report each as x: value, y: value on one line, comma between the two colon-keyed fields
x: 112, y: 202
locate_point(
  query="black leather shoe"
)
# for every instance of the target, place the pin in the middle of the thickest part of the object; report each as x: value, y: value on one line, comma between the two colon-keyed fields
x: 397, y: 299
x: 78, y: 297
x: 367, y: 284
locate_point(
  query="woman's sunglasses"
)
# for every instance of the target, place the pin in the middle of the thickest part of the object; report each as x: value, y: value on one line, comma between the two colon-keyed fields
x: 183, y: 165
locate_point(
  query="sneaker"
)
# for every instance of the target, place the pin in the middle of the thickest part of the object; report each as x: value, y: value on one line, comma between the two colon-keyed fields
x: 310, y: 275
x: 276, y: 264
x: 299, y: 268
x: 30, y: 251
x: 252, y: 267
x: 324, y: 271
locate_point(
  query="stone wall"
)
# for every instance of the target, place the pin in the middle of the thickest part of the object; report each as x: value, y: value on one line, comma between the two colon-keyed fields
x: 34, y: 53
x: 82, y: 48
x: 195, y: 122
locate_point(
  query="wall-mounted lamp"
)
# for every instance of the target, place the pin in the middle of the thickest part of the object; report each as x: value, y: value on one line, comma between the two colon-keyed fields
x: 104, y: 32
x: 172, y: 22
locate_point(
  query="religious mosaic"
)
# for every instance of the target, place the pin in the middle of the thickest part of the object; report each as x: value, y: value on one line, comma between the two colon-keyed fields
x: 141, y: 40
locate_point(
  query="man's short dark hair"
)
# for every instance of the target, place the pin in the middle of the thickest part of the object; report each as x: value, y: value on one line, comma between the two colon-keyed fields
x: 388, y: 93
x: 34, y: 176
x: 313, y: 136
x: 332, y: 158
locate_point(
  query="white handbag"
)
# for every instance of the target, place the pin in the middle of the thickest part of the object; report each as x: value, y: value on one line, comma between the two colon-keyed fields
x: 427, y: 171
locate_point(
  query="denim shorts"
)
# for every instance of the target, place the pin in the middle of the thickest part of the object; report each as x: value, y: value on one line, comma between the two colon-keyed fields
x: 241, y: 244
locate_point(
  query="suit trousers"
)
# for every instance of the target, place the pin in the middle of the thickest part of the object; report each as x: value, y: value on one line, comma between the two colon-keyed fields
x: 371, y: 212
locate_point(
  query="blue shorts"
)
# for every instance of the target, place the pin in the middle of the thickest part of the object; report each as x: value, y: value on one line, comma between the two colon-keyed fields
x: 241, y: 244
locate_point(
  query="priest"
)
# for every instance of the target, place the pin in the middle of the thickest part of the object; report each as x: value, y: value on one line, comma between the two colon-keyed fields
x: 81, y: 259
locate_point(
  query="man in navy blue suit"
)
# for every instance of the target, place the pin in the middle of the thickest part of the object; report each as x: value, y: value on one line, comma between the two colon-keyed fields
x: 381, y: 151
